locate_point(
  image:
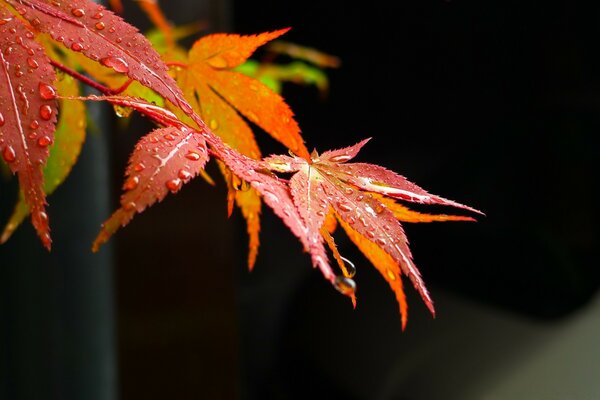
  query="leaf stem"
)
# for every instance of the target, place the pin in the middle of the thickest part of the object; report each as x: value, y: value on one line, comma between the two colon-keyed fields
x: 90, y: 82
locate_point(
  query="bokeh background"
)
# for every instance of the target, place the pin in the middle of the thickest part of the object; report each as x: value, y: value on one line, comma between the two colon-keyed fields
x: 494, y: 104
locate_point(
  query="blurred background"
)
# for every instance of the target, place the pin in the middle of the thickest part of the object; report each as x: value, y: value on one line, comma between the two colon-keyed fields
x: 494, y: 104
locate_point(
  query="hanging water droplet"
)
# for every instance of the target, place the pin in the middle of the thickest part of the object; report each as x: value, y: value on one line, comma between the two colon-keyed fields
x: 116, y: 63
x: 46, y: 112
x: 47, y: 92
x: 44, y: 141
x: 131, y: 183
x: 192, y: 155
x: 9, y: 154
x: 184, y: 174
x: 345, y: 285
x: 122, y: 112
x: 174, y: 184
x: 350, y: 270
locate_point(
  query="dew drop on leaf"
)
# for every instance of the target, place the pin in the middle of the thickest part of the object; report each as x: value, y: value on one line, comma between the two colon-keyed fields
x: 46, y: 112
x: 131, y: 183
x: 44, y: 141
x: 2, y: 120
x: 130, y: 206
x: 100, y: 25
x: 345, y: 285
x: 76, y: 46
x: 139, y: 167
x: 78, y: 12
x: 116, y: 63
x: 193, y: 156
x: 47, y: 92
x: 174, y: 184
x: 391, y: 274
x: 32, y: 62
x: 344, y: 206
x: 9, y: 154
x: 184, y: 174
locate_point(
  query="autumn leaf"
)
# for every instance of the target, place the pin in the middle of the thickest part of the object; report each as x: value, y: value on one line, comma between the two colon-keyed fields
x: 104, y: 37
x: 27, y: 114
x: 162, y: 161
x: 68, y: 139
x: 355, y: 192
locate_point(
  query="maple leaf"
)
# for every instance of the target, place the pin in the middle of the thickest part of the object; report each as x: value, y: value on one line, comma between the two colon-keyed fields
x: 27, y: 114
x: 220, y: 95
x: 68, y: 139
x: 104, y: 37
x: 354, y: 191
x: 161, y: 163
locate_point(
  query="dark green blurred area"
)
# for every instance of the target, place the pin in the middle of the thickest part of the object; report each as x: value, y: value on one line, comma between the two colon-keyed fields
x: 493, y: 104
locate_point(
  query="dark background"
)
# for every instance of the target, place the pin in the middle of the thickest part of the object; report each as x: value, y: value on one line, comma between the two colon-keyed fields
x: 493, y: 104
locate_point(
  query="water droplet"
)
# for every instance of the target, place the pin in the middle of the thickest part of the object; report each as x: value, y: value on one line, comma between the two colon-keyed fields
x: 98, y: 15
x: 100, y: 25
x: 129, y: 206
x: 350, y: 268
x: 214, y: 124
x: 192, y: 155
x: 345, y: 285
x: 391, y: 274
x: 44, y: 141
x: 36, y: 21
x: 174, y: 184
x: 112, y: 29
x: 116, y: 63
x: 381, y: 241
x: 43, y: 216
x: 360, y: 197
x: 348, y: 191
x: 379, y: 208
x: 371, y: 233
x: 122, y: 112
x: 131, y: 183
x: 184, y: 174
x: 9, y: 154
x: 46, y: 112
x: 169, y: 137
x: 32, y: 62
x: 344, y: 206
x: 2, y: 120
x: 47, y: 92
x: 139, y: 167
x: 217, y: 62
x: 78, y: 12
x: 76, y: 46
